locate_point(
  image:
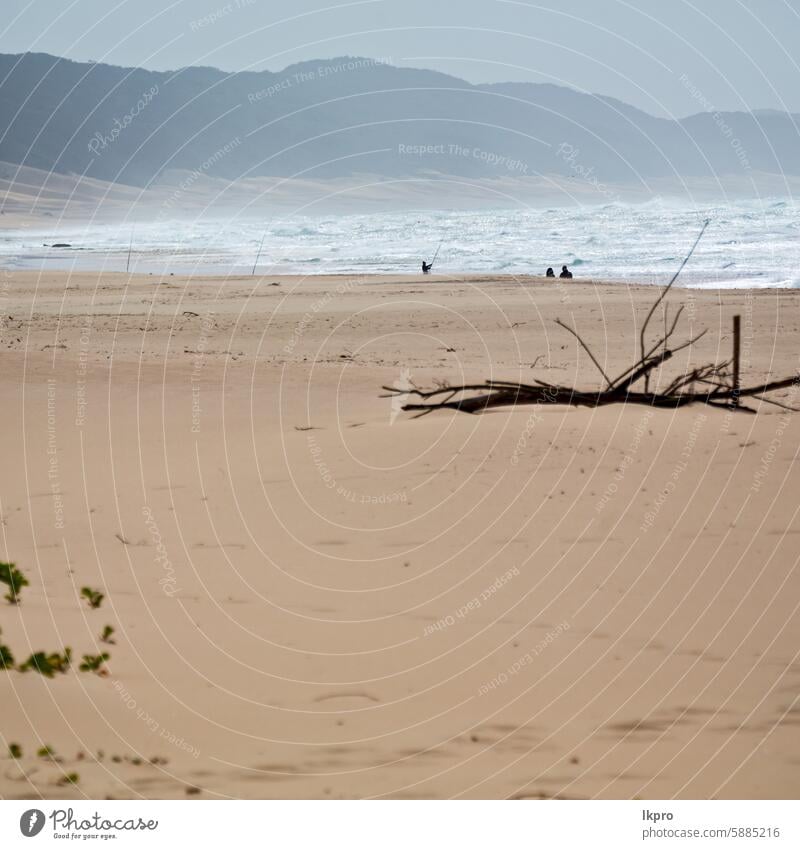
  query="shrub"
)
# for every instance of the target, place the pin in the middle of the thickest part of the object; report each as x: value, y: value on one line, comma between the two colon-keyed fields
x: 48, y: 752
x: 105, y: 637
x: 48, y: 664
x: 14, y: 751
x: 14, y: 580
x: 6, y: 657
x: 94, y: 597
x: 94, y: 663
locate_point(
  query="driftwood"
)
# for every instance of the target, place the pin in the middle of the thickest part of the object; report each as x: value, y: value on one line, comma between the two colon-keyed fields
x: 715, y: 384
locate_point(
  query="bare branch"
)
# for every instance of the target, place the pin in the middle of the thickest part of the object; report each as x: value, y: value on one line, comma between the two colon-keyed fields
x: 666, y: 289
x: 585, y: 348
x: 713, y: 380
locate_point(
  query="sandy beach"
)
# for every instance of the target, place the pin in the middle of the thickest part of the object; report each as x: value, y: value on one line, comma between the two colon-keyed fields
x: 316, y: 595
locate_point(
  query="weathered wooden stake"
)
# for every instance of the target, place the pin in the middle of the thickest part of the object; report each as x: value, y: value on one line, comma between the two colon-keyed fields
x: 737, y: 341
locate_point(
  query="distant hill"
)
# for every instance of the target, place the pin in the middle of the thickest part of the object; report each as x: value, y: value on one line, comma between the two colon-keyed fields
x: 348, y: 116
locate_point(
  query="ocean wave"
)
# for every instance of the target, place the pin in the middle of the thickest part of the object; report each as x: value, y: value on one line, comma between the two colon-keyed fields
x: 748, y: 243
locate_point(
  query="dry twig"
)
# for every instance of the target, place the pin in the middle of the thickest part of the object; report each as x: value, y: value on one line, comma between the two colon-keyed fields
x: 711, y: 383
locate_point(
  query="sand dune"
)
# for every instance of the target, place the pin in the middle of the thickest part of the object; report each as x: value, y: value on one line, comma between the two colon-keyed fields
x: 31, y: 196
x: 314, y: 595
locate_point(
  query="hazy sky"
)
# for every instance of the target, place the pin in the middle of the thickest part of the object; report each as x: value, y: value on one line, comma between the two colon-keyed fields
x: 735, y: 54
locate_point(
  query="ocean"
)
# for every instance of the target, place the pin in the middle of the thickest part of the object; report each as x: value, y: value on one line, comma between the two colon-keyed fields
x: 748, y: 244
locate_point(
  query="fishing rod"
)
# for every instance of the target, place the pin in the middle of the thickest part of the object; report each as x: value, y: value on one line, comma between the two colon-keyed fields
x: 130, y: 248
x: 258, y: 255
x: 430, y: 264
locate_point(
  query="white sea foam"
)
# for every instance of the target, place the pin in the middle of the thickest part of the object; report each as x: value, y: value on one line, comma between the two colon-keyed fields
x: 748, y: 244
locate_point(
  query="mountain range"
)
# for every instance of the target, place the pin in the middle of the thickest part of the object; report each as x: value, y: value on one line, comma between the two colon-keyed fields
x: 354, y: 116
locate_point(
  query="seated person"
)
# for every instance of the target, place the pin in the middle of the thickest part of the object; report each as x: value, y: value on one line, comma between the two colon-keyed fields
x: 565, y: 273
x: 550, y: 273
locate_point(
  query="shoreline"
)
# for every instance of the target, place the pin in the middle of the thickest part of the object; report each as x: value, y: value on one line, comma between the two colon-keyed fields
x: 379, y: 277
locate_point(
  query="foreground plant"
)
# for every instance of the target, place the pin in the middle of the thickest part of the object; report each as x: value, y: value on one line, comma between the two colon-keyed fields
x: 6, y: 657
x: 105, y: 637
x: 94, y: 597
x: 14, y: 580
x: 49, y: 753
x: 94, y: 663
x: 48, y: 664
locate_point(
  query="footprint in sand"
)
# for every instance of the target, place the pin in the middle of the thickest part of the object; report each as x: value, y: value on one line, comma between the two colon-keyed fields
x: 326, y: 697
